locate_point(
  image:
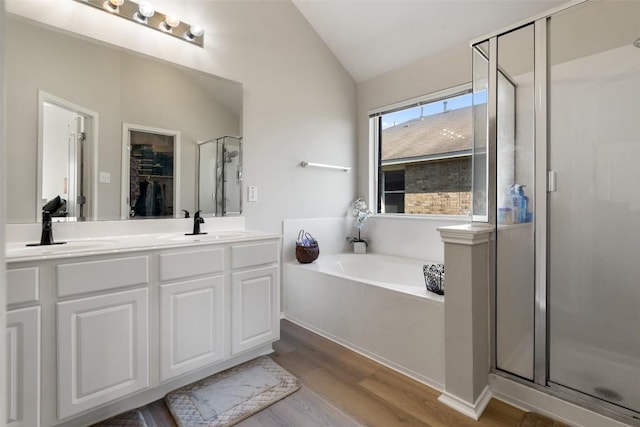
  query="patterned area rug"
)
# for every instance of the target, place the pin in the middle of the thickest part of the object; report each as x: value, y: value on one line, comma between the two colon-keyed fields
x: 532, y: 419
x: 231, y: 396
x: 128, y: 419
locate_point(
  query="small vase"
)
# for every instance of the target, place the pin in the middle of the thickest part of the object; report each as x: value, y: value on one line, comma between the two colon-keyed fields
x: 359, y: 248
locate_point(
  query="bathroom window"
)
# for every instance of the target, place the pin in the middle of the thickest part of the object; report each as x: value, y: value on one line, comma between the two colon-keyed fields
x: 424, y: 154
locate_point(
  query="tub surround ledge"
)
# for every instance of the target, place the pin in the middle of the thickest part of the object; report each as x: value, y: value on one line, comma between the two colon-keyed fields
x: 467, y: 234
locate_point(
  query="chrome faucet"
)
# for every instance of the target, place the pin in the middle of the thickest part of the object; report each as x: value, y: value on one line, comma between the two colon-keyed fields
x: 197, y: 220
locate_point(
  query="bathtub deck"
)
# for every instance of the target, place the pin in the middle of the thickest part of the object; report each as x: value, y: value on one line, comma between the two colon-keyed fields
x: 342, y: 388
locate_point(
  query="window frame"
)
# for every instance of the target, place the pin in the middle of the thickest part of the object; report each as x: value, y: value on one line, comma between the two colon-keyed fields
x: 375, y: 135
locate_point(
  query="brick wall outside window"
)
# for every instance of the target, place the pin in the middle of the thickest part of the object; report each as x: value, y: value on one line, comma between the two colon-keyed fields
x: 438, y: 187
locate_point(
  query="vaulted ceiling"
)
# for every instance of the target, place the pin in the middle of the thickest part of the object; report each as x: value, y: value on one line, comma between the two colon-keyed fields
x: 371, y: 37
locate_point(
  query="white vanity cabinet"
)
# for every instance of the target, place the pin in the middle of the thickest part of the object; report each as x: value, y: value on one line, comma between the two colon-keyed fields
x: 23, y: 348
x: 193, y: 311
x: 93, y: 335
x: 255, y: 295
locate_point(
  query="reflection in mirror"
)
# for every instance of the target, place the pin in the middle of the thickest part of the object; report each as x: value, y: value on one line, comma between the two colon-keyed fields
x: 120, y: 87
x: 220, y: 176
x: 151, y: 172
x: 64, y: 155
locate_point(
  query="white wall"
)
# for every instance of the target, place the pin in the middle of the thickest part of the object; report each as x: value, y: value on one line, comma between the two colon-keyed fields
x: 299, y: 102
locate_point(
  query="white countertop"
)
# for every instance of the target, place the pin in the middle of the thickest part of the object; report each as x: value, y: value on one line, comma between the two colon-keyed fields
x: 19, y: 252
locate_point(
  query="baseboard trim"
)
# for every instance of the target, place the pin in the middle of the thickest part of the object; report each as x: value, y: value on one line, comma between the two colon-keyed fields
x: 472, y: 410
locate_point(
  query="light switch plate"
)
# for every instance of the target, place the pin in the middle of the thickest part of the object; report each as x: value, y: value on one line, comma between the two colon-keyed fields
x: 105, y: 177
x: 252, y: 193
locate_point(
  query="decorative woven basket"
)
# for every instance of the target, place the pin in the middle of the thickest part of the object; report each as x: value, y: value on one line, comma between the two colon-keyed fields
x: 434, y: 278
x: 307, y: 254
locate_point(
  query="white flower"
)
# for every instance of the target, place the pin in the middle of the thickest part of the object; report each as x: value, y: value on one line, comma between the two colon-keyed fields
x: 361, y: 212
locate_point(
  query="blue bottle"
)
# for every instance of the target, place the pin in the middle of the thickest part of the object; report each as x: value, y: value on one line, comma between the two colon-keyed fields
x: 523, y: 204
x: 516, y: 202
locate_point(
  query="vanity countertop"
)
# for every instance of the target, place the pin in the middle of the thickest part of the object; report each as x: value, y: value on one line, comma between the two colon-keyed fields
x: 20, y: 252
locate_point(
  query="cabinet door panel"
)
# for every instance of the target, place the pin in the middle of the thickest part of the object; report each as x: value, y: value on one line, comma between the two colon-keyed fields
x: 255, y: 312
x: 102, y: 349
x: 192, y: 325
x: 23, y: 367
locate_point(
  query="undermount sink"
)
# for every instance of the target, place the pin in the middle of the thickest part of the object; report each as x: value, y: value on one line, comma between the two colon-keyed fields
x: 202, y: 237
x: 70, y: 246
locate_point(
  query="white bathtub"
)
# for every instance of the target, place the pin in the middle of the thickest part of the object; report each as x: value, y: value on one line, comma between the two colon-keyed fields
x: 374, y: 304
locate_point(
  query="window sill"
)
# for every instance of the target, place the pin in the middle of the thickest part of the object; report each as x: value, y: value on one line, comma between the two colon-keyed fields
x: 421, y: 217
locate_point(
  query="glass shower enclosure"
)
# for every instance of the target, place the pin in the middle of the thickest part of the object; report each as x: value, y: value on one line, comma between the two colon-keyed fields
x: 220, y: 176
x: 557, y: 141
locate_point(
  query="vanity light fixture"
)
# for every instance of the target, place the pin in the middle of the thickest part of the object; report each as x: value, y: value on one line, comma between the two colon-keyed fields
x: 143, y: 13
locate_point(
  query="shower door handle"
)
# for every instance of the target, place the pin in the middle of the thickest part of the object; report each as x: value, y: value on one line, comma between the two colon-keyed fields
x: 551, y: 181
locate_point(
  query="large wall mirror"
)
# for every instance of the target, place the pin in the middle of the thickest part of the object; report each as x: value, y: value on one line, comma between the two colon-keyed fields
x: 98, y: 89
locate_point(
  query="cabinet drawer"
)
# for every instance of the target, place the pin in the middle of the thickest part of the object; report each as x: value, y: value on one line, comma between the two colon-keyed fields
x: 23, y: 285
x: 83, y: 277
x: 254, y: 254
x: 194, y: 263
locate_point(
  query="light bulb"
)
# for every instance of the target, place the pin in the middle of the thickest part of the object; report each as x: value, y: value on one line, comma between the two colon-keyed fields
x: 113, y: 5
x: 170, y: 22
x: 194, y: 31
x: 145, y: 9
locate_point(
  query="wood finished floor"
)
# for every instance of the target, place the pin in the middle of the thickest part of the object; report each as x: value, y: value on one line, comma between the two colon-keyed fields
x: 341, y: 388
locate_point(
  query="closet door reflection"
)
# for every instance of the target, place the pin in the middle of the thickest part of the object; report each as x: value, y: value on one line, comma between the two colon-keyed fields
x: 152, y: 172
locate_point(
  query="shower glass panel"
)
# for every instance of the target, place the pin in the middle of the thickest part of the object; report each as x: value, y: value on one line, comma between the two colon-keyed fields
x: 480, y: 119
x: 220, y: 176
x: 229, y: 176
x: 207, y: 177
x: 515, y: 244
x: 594, y: 216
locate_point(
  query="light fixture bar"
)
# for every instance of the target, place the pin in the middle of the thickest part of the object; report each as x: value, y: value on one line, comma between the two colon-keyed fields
x: 146, y: 16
